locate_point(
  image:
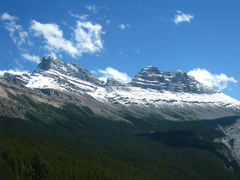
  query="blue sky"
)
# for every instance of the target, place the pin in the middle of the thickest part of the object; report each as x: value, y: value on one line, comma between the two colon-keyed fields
x: 118, y: 38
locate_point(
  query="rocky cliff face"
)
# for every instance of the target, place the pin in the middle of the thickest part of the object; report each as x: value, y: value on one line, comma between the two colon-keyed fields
x: 176, y: 81
x: 48, y: 63
x: 112, y: 82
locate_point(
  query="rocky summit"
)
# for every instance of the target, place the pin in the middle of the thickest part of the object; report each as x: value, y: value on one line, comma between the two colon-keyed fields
x: 176, y: 81
x: 69, y: 69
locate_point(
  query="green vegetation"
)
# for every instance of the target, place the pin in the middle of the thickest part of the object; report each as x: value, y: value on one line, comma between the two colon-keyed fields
x: 27, y: 158
x: 73, y: 143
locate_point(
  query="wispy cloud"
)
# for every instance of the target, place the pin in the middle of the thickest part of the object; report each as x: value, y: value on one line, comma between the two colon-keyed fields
x: 92, y: 8
x: 181, y: 17
x: 123, y: 26
x: 81, y: 17
x: 17, y: 34
x: 19, y: 65
x: 114, y: 74
x: 6, y: 16
x: 138, y: 51
x: 219, y: 81
x: 31, y: 58
x: 87, y: 37
x: 53, y: 37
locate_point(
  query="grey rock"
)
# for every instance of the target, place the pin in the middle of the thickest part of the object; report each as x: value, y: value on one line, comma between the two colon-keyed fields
x: 67, y: 68
x: 15, y: 79
x: 112, y: 82
x: 177, y: 81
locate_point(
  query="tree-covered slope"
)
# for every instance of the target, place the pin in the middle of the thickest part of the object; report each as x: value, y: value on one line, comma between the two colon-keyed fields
x: 73, y: 142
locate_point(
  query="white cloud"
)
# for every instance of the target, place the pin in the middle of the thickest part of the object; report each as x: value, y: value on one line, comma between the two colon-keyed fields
x: 93, y: 72
x: 181, y: 17
x: 87, y: 37
x: 18, y: 35
x: 53, y: 55
x: 31, y: 58
x: 81, y: 17
x: 219, y: 81
x: 6, y: 16
x: 92, y: 8
x: 54, y: 37
x: 123, y: 26
x: 114, y: 74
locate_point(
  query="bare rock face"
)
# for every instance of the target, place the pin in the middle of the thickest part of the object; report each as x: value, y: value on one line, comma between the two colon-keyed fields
x: 67, y: 68
x: 16, y: 79
x: 112, y: 82
x: 176, y: 81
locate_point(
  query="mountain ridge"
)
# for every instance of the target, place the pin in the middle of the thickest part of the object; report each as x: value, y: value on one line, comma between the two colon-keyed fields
x: 177, y: 81
x: 151, y: 89
x: 170, y: 80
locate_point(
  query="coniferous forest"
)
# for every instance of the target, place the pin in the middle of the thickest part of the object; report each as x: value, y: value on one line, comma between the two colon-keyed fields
x: 74, y: 143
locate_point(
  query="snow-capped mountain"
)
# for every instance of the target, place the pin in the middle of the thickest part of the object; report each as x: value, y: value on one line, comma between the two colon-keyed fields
x: 68, y: 69
x: 169, y: 94
x: 177, y: 81
x: 163, y: 95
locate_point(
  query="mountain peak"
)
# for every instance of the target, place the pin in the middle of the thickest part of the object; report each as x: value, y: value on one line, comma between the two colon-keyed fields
x: 150, y: 69
x: 49, y: 63
x: 179, y: 71
x: 48, y: 57
x: 112, y: 82
x: 151, y: 77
